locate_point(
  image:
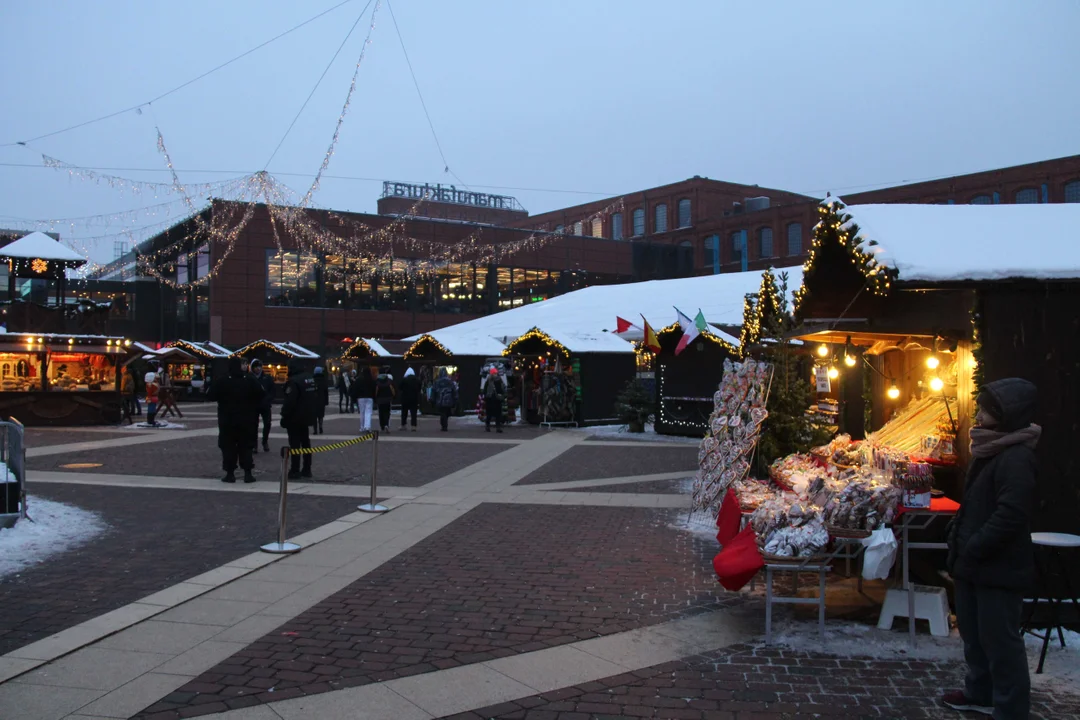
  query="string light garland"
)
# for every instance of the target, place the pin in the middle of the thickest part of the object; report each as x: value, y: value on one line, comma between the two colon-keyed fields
x: 416, y: 351
x: 358, y: 344
x: 540, y: 335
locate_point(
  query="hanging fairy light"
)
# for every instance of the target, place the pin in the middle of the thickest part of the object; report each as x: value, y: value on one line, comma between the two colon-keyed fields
x: 823, y: 350
x: 833, y: 372
x: 936, y: 384
x: 893, y: 392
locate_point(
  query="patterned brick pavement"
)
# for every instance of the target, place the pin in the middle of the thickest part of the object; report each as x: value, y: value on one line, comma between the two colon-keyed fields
x: 758, y: 683
x: 585, y: 462
x: 37, y: 437
x: 156, y: 538
x: 400, y: 463
x: 499, y: 581
x: 649, y: 487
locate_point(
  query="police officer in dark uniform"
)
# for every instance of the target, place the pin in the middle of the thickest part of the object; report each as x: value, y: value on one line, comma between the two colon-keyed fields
x: 237, y: 397
x: 298, y: 413
x: 269, y: 389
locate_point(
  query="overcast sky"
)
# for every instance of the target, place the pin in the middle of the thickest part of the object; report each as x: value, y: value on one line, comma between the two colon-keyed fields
x: 598, y: 97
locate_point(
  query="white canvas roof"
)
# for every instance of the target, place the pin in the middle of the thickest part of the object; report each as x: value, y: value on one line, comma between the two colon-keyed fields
x: 40, y: 245
x: 592, y: 310
x: 939, y: 243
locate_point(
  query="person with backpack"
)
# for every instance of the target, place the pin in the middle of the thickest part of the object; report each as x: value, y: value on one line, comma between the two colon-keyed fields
x: 494, y: 392
x: 410, y: 398
x: 444, y: 393
x: 384, y: 397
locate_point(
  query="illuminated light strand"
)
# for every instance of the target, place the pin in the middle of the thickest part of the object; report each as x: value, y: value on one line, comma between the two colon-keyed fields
x: 536, y: 334
x: 415, y: 351
x: 114, y: 181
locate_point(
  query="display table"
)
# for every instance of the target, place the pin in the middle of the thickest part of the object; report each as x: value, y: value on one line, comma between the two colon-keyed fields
x: 920, y: 519
x: 1052, y: 544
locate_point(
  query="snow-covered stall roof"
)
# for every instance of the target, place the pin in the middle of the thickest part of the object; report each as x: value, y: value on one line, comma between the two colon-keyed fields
x: 463, y: 344
x: 40, y: 245
x: 371, y: 345
x: 203, y: 349
x: 942, y: 243
x: 594, y: 309
x: 287, y: 348
x: 577, y: 341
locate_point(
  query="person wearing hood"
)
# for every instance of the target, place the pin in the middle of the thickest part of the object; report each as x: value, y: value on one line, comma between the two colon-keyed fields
x: 990, y: 556
x: 342, y: 386
x: 298, y: 413
x: 410, y: 398
x: 445, y: 395
x: 238, y: 396
x: 494, y: 391
x: 269, y: 389
x: 322, y: 390
x: 384, y: 396
x: 151, y: 382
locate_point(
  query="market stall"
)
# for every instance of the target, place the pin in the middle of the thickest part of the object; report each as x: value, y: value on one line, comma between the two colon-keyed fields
x: 462, y: 356
x: 61, y: 379
x: 276, y: 357
x: 570, y: 377
x: 37, y: 267
x: 369, y: 354
x: 687, y: 378
x: 211, y: 362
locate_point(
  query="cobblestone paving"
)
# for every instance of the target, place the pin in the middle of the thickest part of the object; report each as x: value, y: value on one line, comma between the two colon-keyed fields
x: 501, y: 580
x: 190, y: 532
x: 650, y: 487
x: 758, y: 683
x: 586, y: 462
x: 400, y: 463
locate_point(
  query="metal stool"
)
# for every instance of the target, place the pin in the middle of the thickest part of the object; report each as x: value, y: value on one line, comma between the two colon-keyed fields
x: 1054, y: 542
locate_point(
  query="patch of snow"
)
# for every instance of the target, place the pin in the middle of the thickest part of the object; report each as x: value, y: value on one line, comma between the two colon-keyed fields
x: 161, y: 425
x: 700, y: 524
x: 377, y: 348
x: 6, y: 476
x: 54, y: 528
x: 40, y: 245
x: 622, y: 432
x: 1061, y: 671
x: 848, y: 639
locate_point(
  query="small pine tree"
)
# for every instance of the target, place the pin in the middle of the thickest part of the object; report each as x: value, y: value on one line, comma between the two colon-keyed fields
x: 634, y: 405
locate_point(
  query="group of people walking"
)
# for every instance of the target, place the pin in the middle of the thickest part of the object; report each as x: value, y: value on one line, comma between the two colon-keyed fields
x: 361, y: 393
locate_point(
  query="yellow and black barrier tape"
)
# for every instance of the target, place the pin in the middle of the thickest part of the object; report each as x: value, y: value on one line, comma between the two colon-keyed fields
x: 333, y: 446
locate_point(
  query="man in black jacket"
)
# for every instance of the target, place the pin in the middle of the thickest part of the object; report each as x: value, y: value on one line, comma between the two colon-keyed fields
x: 410, y: 398
x: 269, y: 390
x: 494, y: 391
x: 298, y: 413
x: 322, y: 389
x: 237, y: 396
x: 990, y: 551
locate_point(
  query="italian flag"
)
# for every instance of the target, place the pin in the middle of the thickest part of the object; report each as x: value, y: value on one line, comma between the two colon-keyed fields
x: 691, y: 328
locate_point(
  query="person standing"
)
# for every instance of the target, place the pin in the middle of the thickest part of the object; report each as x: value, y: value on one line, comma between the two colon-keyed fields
x: 444, y: 393
x: 362, y: 396
x: 238, y: 396
x: 322, y: 389
x: 269, y: 389
x: 298, y: 412
x: 410, y: 398
x: 343, y: 398
x: 352, y: 395
x: 991, y: 558
x: 384, y: 397
x: 150, y: 380
x: 494, y: 392
x: 127, y: 391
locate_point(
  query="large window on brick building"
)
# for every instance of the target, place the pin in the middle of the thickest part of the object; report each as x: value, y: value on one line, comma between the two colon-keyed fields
x: 597, y: 227
x: 639, y: 222
x: 291, y: 279
x: 794, y: 239
x: 765, y: 244
x: 1072, y: 191
x: 660, y: 224
x: 684, y: 212
x: 712, y: 254
x: 616, y: 226
x: 737, y: 246
x: 1027, y: 196
x: 579, y: 228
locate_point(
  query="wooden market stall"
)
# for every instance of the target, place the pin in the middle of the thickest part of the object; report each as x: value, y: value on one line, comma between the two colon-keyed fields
x: 462, y: 356
x: 211, y: 362
x: 276, y: 357
x: 370, y: 354
x: 65, y: 380
x: 686, y: 381
x: 571, y: 377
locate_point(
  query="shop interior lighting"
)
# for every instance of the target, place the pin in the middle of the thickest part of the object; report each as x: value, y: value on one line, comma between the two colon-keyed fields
x: 849, y: 360
x: 833, y: 373
x: 936, y: 384
x: 893, y: 392
x: 823, y: 350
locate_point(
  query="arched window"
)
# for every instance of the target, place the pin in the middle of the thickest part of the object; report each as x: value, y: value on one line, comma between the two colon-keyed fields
x: 578, y: 230
x: 661, y: 218
x: 982, y: 200
x: 794, y: 239
x: 639, y: 222
x: 1072, y: 191
x: 765, y: 248
x: 684, y: 212
x: 1027, y: 196
x: 597, y: 227
x: 616, y: 226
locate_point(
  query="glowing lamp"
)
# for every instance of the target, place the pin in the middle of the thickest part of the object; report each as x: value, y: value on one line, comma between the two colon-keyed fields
x: 822, y: 350
x: 932, y: 362
x: 71, y: 341
x: 893, y: 392
x: 127, y: 343
x: 936, y: 384
x: 849, y: 361
x: 41, y: 340
x: 833, y: 373
x: 109, y: 343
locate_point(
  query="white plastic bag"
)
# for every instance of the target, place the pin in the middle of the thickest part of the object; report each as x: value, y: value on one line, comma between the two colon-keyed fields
x: 880, y: 554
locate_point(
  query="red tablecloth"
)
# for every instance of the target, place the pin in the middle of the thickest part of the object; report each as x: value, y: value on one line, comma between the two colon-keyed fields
x: 941, y: 505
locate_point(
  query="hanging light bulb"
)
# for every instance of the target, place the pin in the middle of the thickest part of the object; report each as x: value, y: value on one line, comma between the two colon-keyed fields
x: 833, y: 373
x: 936, y: 384
x: 932, y: 362
x: 893, y: 392
x: 849, y: 360
x: 822, y: 350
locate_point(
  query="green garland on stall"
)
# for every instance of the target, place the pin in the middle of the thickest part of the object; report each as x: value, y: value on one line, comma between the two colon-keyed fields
x: 978, y: 376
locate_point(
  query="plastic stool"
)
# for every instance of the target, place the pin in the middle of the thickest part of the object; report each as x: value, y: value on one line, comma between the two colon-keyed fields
x: 931, y: 603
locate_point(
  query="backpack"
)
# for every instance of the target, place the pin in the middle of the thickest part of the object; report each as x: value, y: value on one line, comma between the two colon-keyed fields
x: 446, y: 396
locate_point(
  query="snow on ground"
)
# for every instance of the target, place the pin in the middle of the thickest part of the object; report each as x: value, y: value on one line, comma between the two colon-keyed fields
x: 161, y: 425
x: 54, y: 528
x: 622, y: 432
x: 6, y: 476
x: 701, y: 524
x: 1061, y: 672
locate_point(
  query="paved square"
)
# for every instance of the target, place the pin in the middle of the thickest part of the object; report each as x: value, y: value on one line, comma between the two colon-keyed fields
x: 588, y: 461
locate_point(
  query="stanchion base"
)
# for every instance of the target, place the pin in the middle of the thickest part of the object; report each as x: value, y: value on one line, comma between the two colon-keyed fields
x: 281, y: 548
x: 369, y: 508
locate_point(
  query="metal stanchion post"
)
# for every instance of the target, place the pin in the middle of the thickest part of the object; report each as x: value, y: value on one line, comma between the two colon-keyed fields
x: 281, y: 547
x: 373, y: 506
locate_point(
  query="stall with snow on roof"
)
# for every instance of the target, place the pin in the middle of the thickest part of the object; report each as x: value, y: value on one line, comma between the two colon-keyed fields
x: 276, y: 358
x: 570, y: 377
x: 212, y: 362
x: 462, y: 355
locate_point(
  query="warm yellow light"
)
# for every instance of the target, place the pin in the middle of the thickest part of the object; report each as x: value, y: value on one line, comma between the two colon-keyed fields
x: 822, y: 350
x: 893, y: 392
x: 849, y: 361
x: 108, y: 342
x: 41, y: 340
x: 127, y: 343
x: 936, y: 384
x: 833, y: 373
x: 71, y: 341
x: 932, y: 362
